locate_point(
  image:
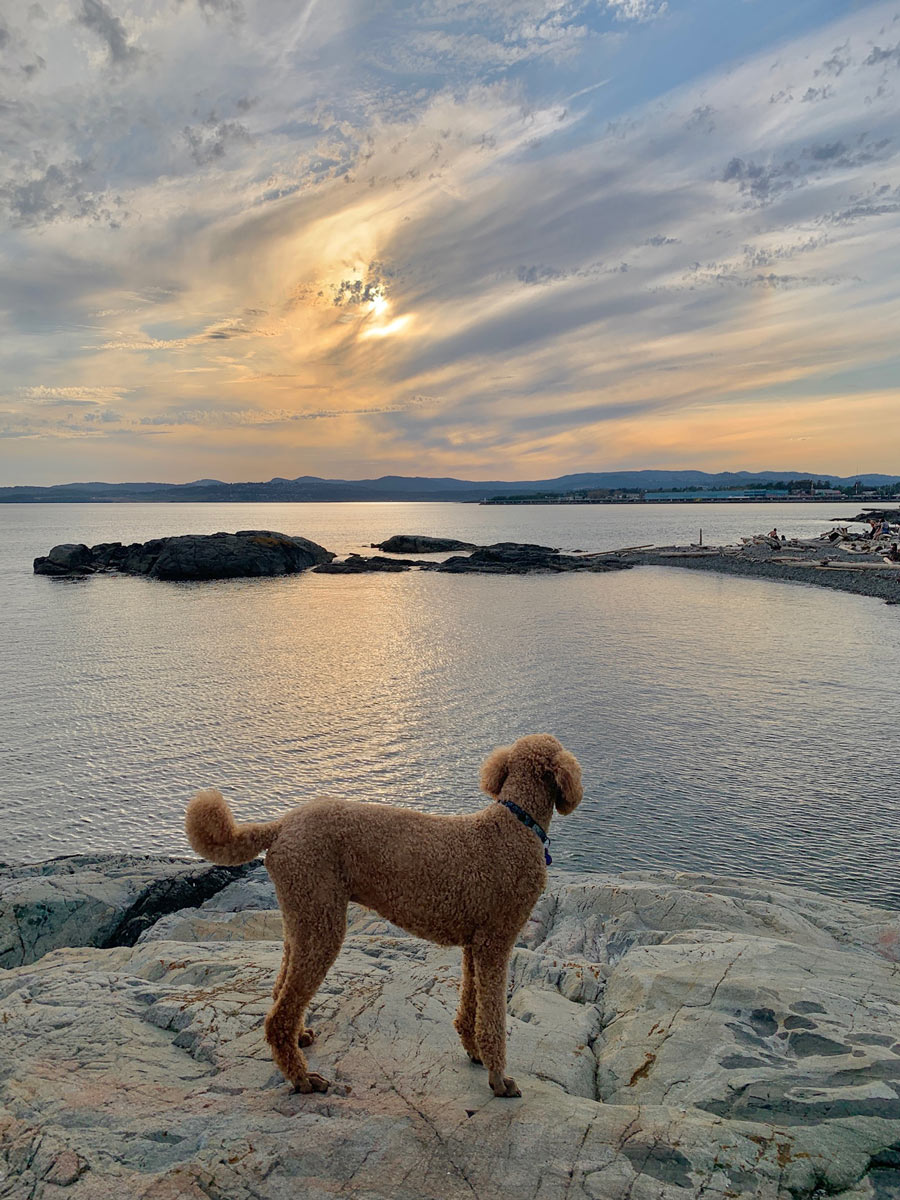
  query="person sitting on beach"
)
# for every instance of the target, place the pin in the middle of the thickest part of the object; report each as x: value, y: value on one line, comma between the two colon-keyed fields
x: 885, y: 528
x: 773, y: 534
x: 893, y: 555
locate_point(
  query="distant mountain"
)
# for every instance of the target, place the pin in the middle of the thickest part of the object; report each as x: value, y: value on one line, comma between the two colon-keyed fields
x: 405, y: 487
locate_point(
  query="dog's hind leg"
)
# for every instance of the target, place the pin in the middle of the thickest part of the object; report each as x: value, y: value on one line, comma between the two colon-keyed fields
x: 307, y: 1035
x: 285, y: 960
x: 468, y: 1006
x: 305, y: 965
x: 491, y: 966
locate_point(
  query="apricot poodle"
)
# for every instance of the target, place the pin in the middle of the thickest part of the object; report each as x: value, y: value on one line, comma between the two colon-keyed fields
x: 467, y: 881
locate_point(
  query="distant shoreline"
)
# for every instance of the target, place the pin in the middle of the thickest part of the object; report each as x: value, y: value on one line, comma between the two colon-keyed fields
x: 868, y: 502
x: 682, y: 500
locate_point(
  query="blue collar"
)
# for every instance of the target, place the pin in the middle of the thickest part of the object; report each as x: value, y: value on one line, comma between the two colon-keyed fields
x: 529, y: 822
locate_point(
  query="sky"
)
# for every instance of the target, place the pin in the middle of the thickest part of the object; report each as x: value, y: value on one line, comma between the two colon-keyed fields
x: 496, y: 240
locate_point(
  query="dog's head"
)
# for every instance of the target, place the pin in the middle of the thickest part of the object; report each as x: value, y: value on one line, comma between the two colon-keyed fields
x: 542, y: 755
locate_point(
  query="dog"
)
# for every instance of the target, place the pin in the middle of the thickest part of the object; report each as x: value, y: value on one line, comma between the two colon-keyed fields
x: 468, y: 880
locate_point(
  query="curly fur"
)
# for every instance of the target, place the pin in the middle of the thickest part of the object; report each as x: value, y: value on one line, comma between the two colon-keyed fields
x: 468, y: 881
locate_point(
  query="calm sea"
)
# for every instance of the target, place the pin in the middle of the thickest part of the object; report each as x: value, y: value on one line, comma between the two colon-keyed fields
x: 723, y: 724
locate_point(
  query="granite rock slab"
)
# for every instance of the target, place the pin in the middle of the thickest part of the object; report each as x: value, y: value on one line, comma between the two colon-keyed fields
x: 676, y: 1037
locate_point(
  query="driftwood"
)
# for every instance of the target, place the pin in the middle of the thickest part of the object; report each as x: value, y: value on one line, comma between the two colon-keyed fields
x: 689, y: 554
x: 879, y: 566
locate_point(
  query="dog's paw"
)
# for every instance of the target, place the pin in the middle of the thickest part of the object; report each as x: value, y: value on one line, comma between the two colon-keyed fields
x: 312, y: 1083
x: 307, y: 1037
x: 502, y: 1086
x: 474, y: 1059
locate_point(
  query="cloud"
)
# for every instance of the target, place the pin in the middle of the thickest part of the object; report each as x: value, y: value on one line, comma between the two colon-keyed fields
x: 210, y: 140
x: 233, y: 10
x: 284, y: 230
x: 61, y: 190
x: 879, y: 55
x: 637, y: 10
x: 78, y: 395
x: 95, y: 15
x: 538, y: 274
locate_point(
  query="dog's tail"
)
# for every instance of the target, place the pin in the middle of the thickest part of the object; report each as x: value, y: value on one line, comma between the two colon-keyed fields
x: 215, y: 835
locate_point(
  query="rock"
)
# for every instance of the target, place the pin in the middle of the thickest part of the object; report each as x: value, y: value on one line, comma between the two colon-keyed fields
x: 65, y: 1169
x: 357, y: 564
x: 675, y: 1037
x: 403, y: 543
x: 250, y: 552
x: 67, y: 559
x: 96, y: 900
x: 513, y: 558
x: 891, y: 515
x: 504, y: 558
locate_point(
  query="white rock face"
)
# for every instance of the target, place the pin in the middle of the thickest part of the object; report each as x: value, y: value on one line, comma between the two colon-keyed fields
x: 675, y: 1037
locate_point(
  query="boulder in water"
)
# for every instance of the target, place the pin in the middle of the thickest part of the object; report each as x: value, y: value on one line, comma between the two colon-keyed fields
x: 250, y: 552
x: 402, y: 543
x: 68, y: 559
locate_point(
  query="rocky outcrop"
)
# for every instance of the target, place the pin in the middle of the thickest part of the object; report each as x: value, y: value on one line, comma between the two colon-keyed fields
x: 514, y: 558
x: 884, y: 514
x: 249, y: 552
x: 358, y: 564
x: 502, y: 558
x: 676, y: 1037
x: 96, y: 900
x: 405, y: 543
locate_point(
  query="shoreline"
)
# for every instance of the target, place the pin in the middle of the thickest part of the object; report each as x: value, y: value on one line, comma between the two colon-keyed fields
x: 841, y: 562
x: 861, y: 576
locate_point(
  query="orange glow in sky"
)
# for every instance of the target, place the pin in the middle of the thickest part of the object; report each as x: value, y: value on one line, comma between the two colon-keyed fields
x: 459, y: 265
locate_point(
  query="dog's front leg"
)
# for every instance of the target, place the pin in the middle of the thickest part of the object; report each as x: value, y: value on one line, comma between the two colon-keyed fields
x: 491, y: 966
x: 468, y: 1007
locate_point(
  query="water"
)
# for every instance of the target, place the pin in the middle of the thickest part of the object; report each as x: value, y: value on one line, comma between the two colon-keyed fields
x: 723, y: 724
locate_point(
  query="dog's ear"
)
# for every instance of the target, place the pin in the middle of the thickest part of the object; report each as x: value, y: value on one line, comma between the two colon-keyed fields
x: 567, y: 774
x: 494, y: 771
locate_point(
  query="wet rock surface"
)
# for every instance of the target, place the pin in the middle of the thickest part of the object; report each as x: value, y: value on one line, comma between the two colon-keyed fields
x: 250, y: 552
x: 676, y: 1037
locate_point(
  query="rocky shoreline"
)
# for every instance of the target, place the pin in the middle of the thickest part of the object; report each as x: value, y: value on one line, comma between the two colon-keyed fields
x: 676, y: 1037
x: 821, y: 566
x: 261, y: 552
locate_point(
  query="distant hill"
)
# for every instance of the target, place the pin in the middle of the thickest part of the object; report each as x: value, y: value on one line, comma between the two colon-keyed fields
x: 405, y: 487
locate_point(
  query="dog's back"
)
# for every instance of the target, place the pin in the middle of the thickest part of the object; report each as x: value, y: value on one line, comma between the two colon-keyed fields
x: 439, y: 877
